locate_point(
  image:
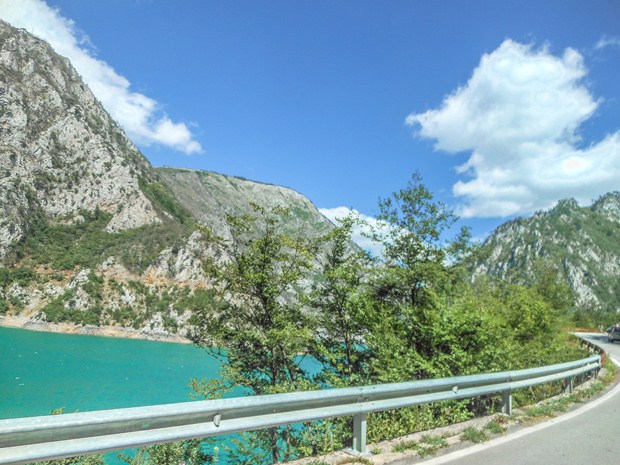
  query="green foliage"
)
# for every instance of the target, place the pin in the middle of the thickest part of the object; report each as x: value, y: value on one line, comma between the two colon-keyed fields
x: 348, y: 460
x: 96, y: 459
x: 341, y: 308
x: 9, y: 276
x: 163, y: 198
x: 86, y: 244
x: 428, y: 445
x: 196, y: 300
x: 394, y: 423
x: 474, y: 435
x: 173, y: 453
x: 21, y: 275
x: 411, y: 314
x: 264, y: 332
x: 63, y: 310
x: 414, y: 253
x: 94, y: 287
x: 494, y: 427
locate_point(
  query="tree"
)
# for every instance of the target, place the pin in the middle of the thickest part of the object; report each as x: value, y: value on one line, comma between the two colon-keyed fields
x: 259, y: 332
x: 413, y: 284
x: 414, y: 255
x: 339, y: 299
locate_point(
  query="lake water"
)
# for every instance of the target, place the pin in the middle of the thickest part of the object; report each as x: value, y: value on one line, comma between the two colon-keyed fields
x: 42, y: 371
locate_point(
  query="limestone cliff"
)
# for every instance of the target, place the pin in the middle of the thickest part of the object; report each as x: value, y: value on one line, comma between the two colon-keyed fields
x: 60, y: 152
x: 90, y: 233
x: 581, y: 241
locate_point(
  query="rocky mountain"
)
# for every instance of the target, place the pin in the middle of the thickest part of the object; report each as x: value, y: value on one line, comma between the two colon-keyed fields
x: 60, y: 152
x: 90, y: 233
x: 583, y: 242
x: 208, y: 196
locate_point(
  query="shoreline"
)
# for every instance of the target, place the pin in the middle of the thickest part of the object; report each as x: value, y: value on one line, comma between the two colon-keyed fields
x: 11, y: 321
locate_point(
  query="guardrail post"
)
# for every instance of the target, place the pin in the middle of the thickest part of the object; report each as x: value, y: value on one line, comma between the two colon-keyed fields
x: 568, y: 385
x: 507, y: 402
x: 359, y: 434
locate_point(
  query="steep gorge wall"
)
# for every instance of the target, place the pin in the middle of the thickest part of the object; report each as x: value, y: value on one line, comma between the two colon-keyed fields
x: 60, y: 152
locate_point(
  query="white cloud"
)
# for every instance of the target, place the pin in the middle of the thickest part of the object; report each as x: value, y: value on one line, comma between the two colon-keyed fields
x: 139, y: 115
x: 360, y: 231
x: 608, y: 41
x: 518, y: 116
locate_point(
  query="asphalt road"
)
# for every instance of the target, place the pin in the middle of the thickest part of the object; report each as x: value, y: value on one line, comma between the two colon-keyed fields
x: 586, y: 436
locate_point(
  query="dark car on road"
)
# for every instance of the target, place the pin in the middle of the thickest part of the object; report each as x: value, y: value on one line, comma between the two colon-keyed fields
x: 613, y: 333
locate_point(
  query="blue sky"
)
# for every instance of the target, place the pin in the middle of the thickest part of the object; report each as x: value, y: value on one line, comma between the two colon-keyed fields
x: 503, y: 106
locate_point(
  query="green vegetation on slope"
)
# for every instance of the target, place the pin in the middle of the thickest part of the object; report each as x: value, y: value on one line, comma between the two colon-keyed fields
x: 87, y: 243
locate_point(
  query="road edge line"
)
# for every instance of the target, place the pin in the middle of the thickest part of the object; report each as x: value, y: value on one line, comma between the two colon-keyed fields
x: 526, y: 431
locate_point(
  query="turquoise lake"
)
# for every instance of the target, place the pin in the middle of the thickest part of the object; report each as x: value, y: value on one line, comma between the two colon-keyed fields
x: 42, y: 371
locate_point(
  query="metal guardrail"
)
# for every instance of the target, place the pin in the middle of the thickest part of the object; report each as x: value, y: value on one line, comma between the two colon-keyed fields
x: 25, y: 440
x: 592, y: 347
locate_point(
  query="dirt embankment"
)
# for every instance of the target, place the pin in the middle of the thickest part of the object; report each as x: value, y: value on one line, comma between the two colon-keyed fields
x: 106, y: 331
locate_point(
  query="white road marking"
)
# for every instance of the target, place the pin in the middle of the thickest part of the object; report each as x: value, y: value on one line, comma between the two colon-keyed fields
x: 452, y: 456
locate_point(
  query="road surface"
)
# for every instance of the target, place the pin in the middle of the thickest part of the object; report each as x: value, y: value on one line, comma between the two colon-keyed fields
x: 586, y: 436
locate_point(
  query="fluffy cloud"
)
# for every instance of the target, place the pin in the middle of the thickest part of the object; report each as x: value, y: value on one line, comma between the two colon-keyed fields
x: 360, y: 231
x: 518, y: 116
x: 138, y: 114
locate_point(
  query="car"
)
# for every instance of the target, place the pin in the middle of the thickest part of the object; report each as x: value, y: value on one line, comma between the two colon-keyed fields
x: 613, y: 333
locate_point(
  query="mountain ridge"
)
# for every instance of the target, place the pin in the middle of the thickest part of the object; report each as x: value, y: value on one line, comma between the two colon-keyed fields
x: 91, y: 235
x: 579, y: 241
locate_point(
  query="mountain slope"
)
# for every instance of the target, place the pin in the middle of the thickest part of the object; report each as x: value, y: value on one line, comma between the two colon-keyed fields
x: 60, y: 152
x: 90, y: 233
x: 583, y: 241
x: 210, y: 196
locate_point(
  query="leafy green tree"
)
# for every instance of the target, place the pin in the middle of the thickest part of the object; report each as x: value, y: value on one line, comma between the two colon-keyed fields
x: 259, y: 332
x: 414, y: 256
x: 413, y: 285
x: 339, y: 300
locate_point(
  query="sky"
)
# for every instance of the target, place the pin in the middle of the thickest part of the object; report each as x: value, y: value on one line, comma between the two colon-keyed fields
x: 503, y: 107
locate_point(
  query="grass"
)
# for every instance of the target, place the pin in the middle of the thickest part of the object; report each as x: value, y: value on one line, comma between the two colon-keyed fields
x: 494, y: 427
x: 361, y: 460
x: 428, y: 445
x: 475, y: 435
x: 561, y: 404
x: 405, y: 446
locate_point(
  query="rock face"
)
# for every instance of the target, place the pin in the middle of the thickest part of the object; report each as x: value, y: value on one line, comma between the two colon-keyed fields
x: 90, y: 233
x: 582, y: 241
x: 60, y: 152
x: 210, y: 196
